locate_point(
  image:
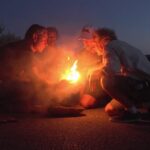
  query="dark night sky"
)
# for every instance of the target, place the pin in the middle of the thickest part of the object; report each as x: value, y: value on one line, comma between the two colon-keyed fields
x: 129, y: 18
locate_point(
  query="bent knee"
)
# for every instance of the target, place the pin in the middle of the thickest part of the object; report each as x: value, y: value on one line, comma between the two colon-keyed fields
x: 109, y: 109
x: 87, y: 101
x: 112, y: 110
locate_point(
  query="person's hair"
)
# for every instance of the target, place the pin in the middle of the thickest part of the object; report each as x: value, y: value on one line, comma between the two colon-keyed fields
x: 106, y: 32
x: 34, y: 28
x: 53, y: 29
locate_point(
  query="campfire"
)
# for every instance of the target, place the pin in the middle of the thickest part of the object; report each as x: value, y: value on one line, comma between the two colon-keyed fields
x: 71, y: 74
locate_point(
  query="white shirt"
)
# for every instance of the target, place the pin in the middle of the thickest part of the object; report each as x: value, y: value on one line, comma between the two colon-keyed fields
x: 121, y: 58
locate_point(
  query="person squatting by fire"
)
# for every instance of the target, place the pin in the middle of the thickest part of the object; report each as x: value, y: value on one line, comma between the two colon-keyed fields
x: 124, y: 75
x: 89, y: 61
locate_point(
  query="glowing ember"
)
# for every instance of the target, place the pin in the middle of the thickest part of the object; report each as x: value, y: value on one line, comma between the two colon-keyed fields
x: 71, y: 74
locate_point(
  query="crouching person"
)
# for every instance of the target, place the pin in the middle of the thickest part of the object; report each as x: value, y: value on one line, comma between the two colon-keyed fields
x: 88, y: 61
x: 124, y: 75
x: 17, y: 65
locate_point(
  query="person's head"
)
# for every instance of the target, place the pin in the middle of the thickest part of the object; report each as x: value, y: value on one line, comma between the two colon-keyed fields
x: 37, y: 37
x: 52, y: 36
x: 86, y: 37
x: 103, y: 36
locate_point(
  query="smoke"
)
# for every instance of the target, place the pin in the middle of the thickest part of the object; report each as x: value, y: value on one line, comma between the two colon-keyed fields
x: 49, y: 67
x: 51, y: 90
x: 35, y: 78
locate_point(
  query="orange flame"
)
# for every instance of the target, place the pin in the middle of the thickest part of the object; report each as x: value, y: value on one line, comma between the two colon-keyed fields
x: 71, y: 74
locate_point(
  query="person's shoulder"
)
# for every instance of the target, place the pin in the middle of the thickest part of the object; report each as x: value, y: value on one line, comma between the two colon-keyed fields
x: 116, y: 45
x: 120, y: 43
x: 12, y: 45
x: 13, y: 48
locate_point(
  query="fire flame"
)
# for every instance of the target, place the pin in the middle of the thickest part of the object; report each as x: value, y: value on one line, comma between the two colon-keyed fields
x: 71, y: 74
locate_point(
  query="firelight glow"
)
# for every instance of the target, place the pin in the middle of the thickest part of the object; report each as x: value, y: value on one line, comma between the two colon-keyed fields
x: 71, y: 74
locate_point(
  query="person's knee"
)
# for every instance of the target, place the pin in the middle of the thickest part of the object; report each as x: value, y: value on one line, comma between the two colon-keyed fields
x: 114, y: 108
x: 87, y: 101
x: 109, y: 109
x: 113, y: 111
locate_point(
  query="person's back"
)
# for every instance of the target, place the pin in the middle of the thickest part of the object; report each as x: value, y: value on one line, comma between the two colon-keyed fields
x: 125, y: 76
x: 133, y: 61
